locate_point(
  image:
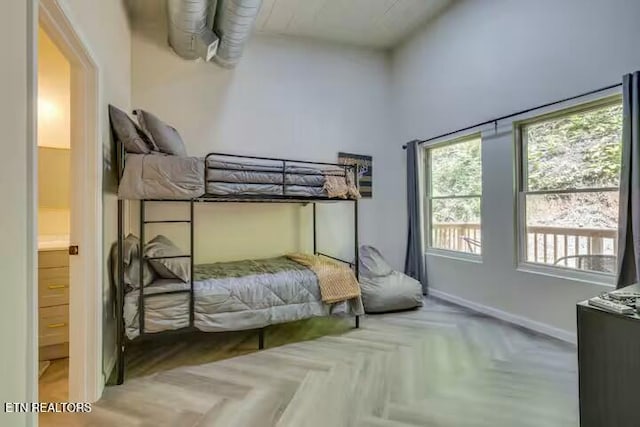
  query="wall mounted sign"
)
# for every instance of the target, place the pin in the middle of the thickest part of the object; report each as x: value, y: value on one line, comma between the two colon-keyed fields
x: 364, y: 166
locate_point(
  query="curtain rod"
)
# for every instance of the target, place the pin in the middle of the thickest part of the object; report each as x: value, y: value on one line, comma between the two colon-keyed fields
x: 508, y: 116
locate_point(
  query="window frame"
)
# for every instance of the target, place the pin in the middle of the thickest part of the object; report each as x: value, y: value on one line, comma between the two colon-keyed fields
x: 428, y: 197
x: 521, y: 192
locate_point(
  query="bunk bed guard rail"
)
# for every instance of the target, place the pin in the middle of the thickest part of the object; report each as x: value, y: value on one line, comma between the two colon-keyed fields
x: 285, y: 169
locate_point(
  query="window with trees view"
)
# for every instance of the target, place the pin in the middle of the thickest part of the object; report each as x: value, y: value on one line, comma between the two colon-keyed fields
x: 570, y: 169
x: 454, y: 193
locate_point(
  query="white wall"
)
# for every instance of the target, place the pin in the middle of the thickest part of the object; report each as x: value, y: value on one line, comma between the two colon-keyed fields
x: 105, y: 28
x: 54, y: 95
x: 54, y: 138
x: 289, y: 98
x: 480, y: 60
x: 53, y: 192
x: 14, y: 222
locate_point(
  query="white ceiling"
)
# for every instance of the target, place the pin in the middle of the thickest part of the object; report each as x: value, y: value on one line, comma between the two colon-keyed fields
x: 371, y: 23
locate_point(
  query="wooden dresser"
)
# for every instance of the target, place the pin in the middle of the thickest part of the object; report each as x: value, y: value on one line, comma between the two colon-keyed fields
x: 53, y: 303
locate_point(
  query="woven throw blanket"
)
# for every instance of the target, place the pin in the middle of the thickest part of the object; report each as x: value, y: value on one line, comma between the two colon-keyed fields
x: 337, y: 282
x: 341, y: 186
x: 353, y: 188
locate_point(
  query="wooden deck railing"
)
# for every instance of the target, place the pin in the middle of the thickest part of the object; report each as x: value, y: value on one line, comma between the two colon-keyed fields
x: 550, y: 245
x: 457, y: 237
x: 545, y: 244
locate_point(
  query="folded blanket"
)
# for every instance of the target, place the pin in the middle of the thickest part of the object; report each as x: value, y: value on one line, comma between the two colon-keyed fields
x: 336, y: 281
x: 341, y: 186
x: 336, y: 187
x: 353, y: 188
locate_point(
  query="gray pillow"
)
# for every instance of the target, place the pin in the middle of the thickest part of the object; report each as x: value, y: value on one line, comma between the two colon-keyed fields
x: 165, y: 137
x: 135, y: 139
x: 131, y: 252
x: 167, y: 268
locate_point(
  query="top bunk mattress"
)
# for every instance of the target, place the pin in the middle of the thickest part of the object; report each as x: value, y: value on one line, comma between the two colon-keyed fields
x: 276, y: 177
x: 166, y: 177
x: 162, y: 177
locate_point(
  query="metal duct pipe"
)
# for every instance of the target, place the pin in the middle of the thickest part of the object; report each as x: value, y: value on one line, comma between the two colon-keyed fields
x: 188, y: 33
x: 233, y: 24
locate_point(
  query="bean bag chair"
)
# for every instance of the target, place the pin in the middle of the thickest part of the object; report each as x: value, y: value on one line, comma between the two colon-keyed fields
x: 384, y: 289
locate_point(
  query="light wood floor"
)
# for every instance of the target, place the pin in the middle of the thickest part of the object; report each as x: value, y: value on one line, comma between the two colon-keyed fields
x: 438, y: 366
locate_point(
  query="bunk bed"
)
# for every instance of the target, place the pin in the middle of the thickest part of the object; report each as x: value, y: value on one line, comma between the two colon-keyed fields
x: 241, y: 295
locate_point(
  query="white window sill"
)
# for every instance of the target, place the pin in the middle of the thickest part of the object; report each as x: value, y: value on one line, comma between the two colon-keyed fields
x: 590, y: 277
x: 456, y: 255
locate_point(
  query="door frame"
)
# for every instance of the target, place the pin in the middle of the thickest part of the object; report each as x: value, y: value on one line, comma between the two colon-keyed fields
x: 86, y: 380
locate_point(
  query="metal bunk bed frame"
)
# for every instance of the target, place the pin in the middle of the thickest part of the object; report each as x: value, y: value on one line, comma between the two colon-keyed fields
x: 207, y: 198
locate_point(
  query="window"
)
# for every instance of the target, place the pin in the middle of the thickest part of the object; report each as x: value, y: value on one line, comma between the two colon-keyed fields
x: 569, y: 181
x: 454, y: 194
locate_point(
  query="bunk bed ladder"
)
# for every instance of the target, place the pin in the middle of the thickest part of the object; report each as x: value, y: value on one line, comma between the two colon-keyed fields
x: 141, y: 297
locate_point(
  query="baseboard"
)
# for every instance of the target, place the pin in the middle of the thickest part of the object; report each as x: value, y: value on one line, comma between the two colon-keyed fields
x: 524, y: 322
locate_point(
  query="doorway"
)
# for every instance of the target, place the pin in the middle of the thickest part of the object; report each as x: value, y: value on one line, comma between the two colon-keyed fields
x: 67, y: 295
x: 54, y: 213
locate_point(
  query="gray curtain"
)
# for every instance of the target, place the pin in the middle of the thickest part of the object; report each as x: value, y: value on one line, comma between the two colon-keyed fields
x: 629, y: 213
x: 413, y: 262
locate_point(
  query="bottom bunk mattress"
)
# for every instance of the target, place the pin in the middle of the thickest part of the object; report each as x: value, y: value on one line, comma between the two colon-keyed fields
x: 234, y: 296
